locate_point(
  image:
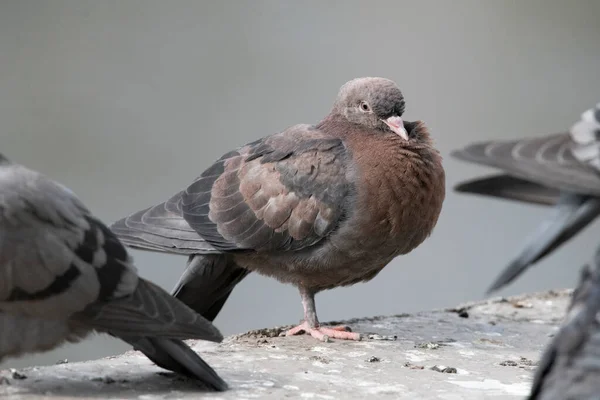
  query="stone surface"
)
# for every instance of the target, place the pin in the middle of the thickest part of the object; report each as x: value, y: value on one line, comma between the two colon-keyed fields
x: 478, y: 350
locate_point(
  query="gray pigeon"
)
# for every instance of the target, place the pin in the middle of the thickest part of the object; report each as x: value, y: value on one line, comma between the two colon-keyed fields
x: 561, y: 170
x: 64, y: 275
x: 317, y: 206
x: 570, y: 365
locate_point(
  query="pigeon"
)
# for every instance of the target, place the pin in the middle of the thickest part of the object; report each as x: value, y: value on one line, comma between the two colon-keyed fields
x: 570, y: 365
x: 315, y: 206
x: 559, y: 170
x: 64, y: 275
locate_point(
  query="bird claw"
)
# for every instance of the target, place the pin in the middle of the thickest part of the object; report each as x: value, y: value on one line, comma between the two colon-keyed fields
x: 323, y: 333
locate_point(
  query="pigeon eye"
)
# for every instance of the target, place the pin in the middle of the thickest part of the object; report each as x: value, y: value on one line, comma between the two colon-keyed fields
x: 364, y: 107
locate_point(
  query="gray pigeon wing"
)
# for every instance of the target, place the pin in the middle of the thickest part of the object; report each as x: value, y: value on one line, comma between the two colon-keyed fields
x: 508, y: 187
x: 547, y: 160
x: 536, y: 170
x: 149, y: 311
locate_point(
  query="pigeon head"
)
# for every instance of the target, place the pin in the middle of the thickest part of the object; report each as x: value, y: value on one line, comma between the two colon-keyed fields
x: 376, y: 103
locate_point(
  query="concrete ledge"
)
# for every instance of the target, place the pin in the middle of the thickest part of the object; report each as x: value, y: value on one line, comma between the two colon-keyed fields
x: 474, y: 351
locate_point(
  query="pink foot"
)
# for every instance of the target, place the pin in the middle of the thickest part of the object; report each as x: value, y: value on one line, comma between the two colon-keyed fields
x: 323, y: 333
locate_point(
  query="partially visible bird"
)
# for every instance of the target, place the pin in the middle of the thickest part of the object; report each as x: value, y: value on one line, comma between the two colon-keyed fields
x: 64, y: 275
x: 562, y: 170
x: 317, y: 206
x: 570, y: 365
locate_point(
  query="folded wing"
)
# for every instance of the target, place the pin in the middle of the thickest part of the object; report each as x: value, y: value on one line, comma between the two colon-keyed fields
x: 283, y: 192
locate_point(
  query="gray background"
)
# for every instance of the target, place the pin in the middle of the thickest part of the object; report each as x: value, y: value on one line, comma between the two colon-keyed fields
x: 127, y: 101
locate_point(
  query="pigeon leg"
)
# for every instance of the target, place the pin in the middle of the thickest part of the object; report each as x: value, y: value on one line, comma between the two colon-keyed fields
x: 311, y: 323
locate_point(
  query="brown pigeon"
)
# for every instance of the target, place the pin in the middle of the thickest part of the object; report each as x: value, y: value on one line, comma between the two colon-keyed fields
x: 317, y: 206
x: 562, y: 170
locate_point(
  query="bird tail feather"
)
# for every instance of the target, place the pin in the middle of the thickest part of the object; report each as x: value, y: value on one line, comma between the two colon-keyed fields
x: 508, y: 187
x: 573, y: 212
x: 207, y: 282
x: 176, y: 356
x: 149, y: 311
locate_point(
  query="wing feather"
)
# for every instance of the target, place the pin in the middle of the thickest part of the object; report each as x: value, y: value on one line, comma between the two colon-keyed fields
x: 283, y: 192
x: 548, y: 161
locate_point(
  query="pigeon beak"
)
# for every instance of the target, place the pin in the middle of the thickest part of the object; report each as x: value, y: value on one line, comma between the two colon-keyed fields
x: 397, y: 125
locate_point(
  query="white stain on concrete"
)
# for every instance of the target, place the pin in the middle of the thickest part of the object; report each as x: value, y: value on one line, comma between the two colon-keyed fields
x: 321, y: 349
x: 386, y: 389
x: 419, y: 356
x: 494, y: 386
x: 316, y: 396
x: 537, y: 321
x: 278, y: 356
x: 355, y: 354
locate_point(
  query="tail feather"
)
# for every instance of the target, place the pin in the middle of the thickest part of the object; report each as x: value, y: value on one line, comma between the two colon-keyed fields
x: 161, y: 228
x: 572, y: 213
x: 155, y: 323
x: 546, y: 160
x: 150, y: 311
x: 174, y: 355
x: 207, y: 282
x: 511, y: 188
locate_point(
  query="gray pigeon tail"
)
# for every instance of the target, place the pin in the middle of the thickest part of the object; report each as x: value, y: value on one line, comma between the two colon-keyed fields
x: 507, y: 187
x: 64, y: 274
x: 572, y: 213
x: 176, y: 356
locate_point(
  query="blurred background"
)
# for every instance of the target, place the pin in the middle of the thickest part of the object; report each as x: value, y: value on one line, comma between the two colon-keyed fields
x: 126, y: 101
